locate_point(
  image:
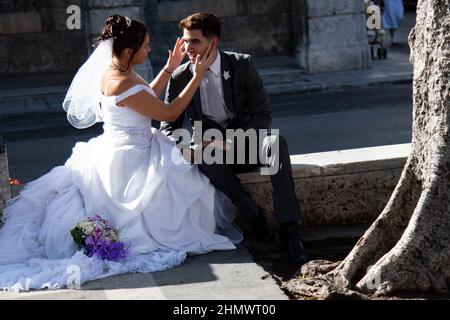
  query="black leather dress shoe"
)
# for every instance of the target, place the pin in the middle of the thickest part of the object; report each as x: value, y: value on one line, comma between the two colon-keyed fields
x: 291, y: 241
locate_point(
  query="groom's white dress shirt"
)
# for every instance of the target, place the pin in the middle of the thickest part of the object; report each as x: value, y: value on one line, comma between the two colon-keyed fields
x: 211, y: 93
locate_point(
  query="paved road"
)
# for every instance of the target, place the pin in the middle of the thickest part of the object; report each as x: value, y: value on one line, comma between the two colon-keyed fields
x: 321, y: 121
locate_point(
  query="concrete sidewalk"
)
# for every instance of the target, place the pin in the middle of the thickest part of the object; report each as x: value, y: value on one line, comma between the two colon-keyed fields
x: 226, y: 275
x: 287, y: 80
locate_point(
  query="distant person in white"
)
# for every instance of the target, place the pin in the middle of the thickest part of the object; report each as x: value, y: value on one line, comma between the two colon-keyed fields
x: 392, y: 17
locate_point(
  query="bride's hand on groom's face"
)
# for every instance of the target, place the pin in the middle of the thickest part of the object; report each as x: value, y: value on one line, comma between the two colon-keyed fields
x: 176, y: 55
x: 202, y: 63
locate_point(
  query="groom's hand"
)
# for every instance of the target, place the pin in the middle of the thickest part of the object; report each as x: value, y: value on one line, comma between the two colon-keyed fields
x: 217, y: 143
x: 190, y: 153
x: 206, y: 143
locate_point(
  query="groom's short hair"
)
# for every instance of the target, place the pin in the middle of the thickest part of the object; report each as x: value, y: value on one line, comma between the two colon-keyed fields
x: 208, y: 23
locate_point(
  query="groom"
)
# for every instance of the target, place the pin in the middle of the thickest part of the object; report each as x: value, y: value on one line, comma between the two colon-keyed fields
x: 232, y: 96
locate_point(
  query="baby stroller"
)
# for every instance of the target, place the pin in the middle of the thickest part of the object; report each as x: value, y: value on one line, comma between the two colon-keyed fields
x: 375, y: 38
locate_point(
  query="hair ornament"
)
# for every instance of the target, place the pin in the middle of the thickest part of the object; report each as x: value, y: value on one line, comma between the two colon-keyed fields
x: 128, y: 20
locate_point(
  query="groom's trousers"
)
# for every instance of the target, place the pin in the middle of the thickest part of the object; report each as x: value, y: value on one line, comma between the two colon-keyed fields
x: 285, y: 204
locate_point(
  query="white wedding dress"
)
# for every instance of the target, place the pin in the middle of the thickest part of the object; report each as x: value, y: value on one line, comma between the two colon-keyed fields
x: 133, y: 176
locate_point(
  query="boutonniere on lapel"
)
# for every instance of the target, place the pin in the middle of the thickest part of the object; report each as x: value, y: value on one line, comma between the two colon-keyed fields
x: 226, y: 75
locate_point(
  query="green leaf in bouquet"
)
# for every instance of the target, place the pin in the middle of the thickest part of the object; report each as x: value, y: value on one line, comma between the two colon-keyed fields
x: 77, y: 235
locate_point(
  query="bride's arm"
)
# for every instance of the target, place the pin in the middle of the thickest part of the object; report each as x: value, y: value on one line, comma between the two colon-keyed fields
x: 152, y: 107
x: 175, y: 57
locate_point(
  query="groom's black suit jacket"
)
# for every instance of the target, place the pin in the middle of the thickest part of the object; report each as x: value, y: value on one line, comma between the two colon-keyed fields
x: 245, y: 96
x: 243, y: 92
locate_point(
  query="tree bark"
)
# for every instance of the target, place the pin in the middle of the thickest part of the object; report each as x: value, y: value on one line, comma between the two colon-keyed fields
x: 407, y: 248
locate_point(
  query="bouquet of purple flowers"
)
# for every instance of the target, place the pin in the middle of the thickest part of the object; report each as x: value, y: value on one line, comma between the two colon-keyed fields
x: 95, y: 236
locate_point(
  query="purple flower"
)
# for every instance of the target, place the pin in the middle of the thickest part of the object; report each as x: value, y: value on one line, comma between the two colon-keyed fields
x: 112, y: 251
x: 97, y: 234
x: 102, y: 241
x: 89, y: 241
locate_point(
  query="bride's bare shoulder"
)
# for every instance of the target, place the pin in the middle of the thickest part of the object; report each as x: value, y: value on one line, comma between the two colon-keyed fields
x: 114, y: 83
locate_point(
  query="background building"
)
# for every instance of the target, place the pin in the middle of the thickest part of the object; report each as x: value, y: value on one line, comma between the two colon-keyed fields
x: 34, y: 38
x: 318, y: 35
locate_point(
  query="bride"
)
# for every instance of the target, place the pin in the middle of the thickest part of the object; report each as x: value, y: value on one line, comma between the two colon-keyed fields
x: 132, y: 175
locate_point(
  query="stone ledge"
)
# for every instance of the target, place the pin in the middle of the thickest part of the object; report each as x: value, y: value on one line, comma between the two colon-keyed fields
x: 336, y: 188
x: 348, y: 187
x: 340, y: 162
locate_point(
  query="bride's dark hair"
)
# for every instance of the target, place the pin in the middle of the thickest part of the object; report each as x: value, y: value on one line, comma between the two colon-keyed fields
x: 126, y: 33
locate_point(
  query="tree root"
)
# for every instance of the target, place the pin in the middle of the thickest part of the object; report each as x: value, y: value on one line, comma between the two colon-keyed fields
x: 312, y: 282
x: 417, y: 262
x: 382, y: 234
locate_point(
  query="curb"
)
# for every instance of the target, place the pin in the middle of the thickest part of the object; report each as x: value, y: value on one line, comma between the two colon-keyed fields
x: 292, y: 88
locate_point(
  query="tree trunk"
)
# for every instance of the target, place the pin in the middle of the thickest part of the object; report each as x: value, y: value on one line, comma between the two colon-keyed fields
x: 407, y: 248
